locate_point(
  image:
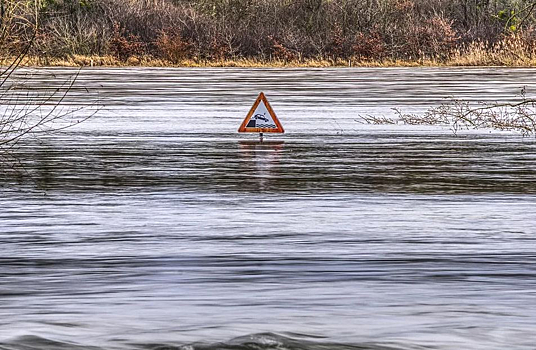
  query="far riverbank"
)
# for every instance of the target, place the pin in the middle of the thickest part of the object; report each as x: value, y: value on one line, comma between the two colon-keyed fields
x: 471, y: 59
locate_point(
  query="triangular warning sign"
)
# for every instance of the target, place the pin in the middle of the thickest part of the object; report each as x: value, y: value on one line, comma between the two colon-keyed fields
x: 261, y: 118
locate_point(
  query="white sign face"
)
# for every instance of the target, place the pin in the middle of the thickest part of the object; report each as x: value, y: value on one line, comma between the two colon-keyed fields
x: 261, y: 118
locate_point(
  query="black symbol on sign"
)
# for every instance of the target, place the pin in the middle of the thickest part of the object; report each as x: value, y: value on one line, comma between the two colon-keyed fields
x: 253, y: 121
x: 261, y: 117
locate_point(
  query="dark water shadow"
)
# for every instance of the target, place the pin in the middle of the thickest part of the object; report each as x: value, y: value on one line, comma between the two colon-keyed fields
x: 367, y: 163
x: 261, y: 341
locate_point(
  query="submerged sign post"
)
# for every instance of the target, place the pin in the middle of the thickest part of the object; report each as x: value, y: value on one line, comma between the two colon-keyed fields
x: 261, y: 118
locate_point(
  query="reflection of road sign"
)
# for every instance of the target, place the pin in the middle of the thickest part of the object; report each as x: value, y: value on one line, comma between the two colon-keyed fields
x: 261, y: 118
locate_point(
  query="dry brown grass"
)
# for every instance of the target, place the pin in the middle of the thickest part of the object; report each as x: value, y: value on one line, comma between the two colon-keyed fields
x: 516, y: 50
x: 512, y: 51
x: 148, y: 61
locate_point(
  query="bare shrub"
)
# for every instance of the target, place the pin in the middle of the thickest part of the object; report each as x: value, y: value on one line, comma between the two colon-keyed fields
x: 433, y: 39
x: 71, y: 28
x: 462, y: 115
x: 369, y: 46
x: 124, y: 45
x: 172, y: 47
x: 280, y: 52
x: 26, y: 109
x: 376, y: 120
x: 17, y: 29
x: 409, y: 30
x: 519, y: 117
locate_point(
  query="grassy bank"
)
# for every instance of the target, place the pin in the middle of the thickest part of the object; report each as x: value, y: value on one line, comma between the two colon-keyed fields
x: 509, y: 52
x: 98, y: 61
x: 147, y: 61
x: 258, y: 33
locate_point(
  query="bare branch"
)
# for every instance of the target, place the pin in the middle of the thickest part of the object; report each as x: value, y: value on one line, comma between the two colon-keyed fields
x: 24, y: 112
x: 458, y: 114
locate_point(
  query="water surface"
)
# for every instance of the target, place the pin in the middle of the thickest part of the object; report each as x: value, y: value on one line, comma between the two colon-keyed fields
x: 154, y: 225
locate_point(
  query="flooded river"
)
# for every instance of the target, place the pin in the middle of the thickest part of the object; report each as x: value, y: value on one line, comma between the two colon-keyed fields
x: 155, y: 225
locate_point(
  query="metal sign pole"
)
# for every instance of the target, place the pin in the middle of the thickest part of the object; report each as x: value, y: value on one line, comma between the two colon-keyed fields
x: 261, y: 136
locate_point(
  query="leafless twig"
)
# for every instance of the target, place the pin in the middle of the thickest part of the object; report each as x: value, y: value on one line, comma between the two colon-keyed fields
x: 459, y: 115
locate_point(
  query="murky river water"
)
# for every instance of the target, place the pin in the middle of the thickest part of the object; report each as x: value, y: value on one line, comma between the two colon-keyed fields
x: 154, y: 225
